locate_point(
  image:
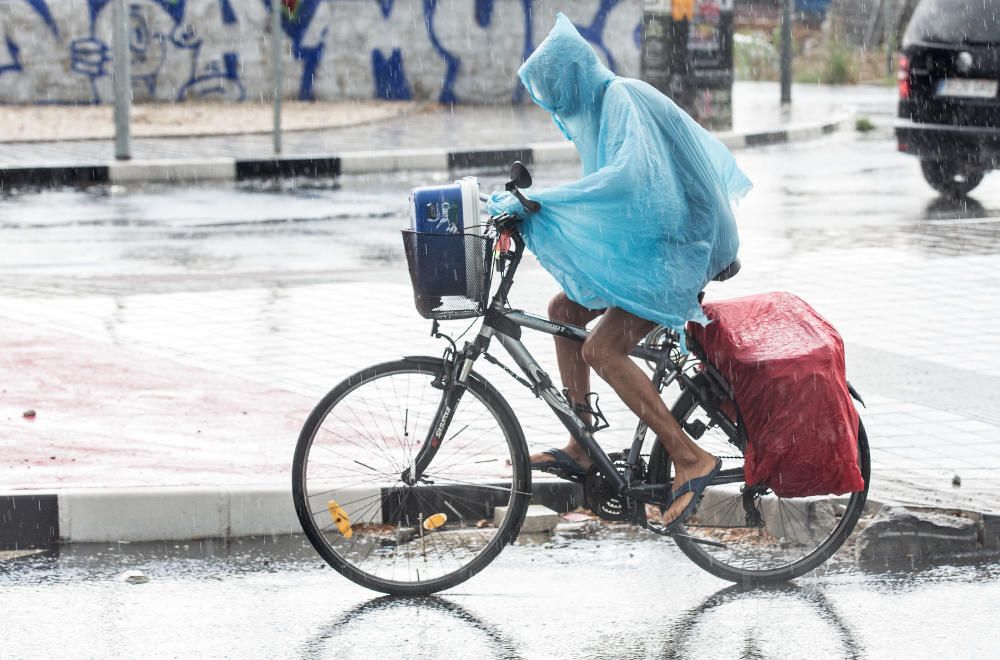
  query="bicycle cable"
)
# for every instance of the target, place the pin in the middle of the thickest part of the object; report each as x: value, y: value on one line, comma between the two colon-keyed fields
x: 510, y: 372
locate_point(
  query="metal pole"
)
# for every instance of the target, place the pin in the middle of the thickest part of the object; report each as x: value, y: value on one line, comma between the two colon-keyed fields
x: 121, y: 79
x: 276, y: 6
x: 786, y: 52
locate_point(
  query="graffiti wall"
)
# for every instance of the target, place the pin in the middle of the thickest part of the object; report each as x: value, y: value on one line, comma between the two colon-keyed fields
x: 452, y: 51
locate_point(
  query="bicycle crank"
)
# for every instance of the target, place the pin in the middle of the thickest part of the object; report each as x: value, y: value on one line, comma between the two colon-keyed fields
x: 658, y: 528
x: 694, y: 539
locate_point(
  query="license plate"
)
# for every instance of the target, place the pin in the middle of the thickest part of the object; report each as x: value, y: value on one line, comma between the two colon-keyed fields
x: 967, y: 87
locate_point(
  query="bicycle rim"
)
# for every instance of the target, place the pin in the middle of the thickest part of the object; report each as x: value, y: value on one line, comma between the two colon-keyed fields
x: 794, y: 535
x: 386, y: 534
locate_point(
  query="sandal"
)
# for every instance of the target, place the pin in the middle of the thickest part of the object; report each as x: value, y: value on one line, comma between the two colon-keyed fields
x: 563, y: 466
x: 696, y: 486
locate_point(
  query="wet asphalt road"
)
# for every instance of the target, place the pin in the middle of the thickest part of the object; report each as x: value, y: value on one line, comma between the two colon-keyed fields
x: 847, y: 189
x: 598, y: 597
x: 569, y: 597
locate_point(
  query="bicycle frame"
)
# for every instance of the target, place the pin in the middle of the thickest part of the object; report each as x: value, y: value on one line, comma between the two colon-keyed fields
x: 504, y: 324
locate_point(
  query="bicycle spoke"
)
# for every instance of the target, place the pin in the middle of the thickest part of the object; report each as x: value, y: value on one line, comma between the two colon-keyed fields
x: 796, y: 534
x: 402, y: 533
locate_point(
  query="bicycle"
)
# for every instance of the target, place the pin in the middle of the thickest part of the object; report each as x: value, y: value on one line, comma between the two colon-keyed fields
x: 404, y: 491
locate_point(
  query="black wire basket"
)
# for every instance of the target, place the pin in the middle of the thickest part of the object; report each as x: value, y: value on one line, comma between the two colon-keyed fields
x: 450, y: 273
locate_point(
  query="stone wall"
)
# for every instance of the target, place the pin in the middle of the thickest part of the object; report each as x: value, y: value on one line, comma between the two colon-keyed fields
x: 59, y: 51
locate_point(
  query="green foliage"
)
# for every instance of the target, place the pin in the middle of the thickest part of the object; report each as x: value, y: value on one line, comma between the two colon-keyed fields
x: 863, y: 125
x: 754, y: 58
x: 840, y: 68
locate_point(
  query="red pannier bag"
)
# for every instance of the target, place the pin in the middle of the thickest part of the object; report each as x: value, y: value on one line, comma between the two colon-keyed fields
x: 785, y: 364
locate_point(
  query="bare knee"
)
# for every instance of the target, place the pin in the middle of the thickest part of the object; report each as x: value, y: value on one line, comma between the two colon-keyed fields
x: 597, y: 353
x: 561, y: 308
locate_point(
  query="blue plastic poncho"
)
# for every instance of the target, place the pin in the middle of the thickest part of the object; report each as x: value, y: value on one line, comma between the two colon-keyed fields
x: 650, y: 222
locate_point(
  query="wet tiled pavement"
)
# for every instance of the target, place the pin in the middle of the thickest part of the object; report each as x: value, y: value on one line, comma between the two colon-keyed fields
x: 204, y: 376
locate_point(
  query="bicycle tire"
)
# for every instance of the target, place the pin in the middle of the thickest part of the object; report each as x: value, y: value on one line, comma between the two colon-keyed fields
x: 390, y: 517
x: 720, y: 563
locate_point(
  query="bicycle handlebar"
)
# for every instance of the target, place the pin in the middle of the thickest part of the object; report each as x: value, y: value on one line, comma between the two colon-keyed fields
x: 519, y: 175
x: 530, y: 205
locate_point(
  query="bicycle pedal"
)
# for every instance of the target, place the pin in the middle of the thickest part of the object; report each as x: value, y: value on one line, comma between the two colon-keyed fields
x: 562, y: 474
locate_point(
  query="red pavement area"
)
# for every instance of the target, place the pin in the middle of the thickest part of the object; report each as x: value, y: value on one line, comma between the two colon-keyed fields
x: 110, y: 416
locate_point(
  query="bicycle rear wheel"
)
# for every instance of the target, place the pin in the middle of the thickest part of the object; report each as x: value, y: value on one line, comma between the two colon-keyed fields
x: 391, y: 536
x: 792, y: 536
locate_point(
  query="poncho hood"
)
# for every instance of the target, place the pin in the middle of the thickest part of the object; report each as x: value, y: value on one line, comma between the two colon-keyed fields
x: 650, y: 221
x: 566, y: 77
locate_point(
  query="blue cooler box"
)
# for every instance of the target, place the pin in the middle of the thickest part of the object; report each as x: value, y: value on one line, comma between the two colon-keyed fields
x: 448, y: 266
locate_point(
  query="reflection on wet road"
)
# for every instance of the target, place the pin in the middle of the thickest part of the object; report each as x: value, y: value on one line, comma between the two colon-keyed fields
x: 604, y: 596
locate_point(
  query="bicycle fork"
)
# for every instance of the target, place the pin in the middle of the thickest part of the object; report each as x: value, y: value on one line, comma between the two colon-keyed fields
x: 453, y: 379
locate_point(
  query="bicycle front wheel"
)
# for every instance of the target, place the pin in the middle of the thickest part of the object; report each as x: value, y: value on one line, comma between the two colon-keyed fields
x: 764, y: 538
x: 396, y: 537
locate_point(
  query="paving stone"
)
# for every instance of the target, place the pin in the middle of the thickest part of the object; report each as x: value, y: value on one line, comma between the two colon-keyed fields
x: 899, y: 534
x: 991, y: 531
x: 538, y: 518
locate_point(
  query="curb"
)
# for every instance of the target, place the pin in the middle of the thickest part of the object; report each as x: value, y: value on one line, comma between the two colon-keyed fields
x: 360, y: 162
x: 46, y: 520
x: 98, y: 515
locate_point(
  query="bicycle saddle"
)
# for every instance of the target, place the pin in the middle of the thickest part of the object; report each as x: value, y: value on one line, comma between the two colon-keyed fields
x: 728, y: 272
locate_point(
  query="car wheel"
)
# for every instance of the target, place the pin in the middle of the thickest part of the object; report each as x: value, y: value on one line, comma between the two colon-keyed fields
x: 950, y: 178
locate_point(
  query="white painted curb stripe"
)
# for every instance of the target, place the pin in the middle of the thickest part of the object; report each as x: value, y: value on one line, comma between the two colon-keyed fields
x: 172, y: 170
x: 177, y: 514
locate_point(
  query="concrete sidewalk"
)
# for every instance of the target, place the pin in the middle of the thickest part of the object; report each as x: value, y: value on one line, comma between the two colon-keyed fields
x: 427, y: 138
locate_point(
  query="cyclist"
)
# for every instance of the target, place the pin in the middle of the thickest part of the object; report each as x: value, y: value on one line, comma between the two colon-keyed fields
x: 633, y: 241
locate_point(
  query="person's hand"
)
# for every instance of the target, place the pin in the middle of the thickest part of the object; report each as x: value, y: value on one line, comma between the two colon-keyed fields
x: 505, y: 202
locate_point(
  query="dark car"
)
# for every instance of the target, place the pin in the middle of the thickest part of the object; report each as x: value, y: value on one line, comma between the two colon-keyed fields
x: 949, y: 106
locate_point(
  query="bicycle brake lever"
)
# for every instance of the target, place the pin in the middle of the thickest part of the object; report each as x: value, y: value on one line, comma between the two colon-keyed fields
x: 530, y: 205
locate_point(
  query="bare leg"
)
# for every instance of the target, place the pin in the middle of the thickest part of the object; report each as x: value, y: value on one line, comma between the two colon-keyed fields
x: 606, y: 350
x: 573, y: 370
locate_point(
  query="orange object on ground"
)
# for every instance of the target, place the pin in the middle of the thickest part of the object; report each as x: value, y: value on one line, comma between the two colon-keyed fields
x: 340, y: 519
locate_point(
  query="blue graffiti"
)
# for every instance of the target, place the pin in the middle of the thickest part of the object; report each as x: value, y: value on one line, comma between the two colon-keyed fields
x: 42, y: 9
x: 174, y: 8
x: 594, y: 33
x: 381, y: 66
x: 452, y: 63
x: 218, y: 80
x: 390, y: 79
x: 296, y: 25
x: 484, y: 12
x: 228, y: 15
x: 13, y: 50
x: 386, y: 7
x: 484, y: 17
x: 151, y: 35
x: 15, y: 60
x: 162, y: 36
